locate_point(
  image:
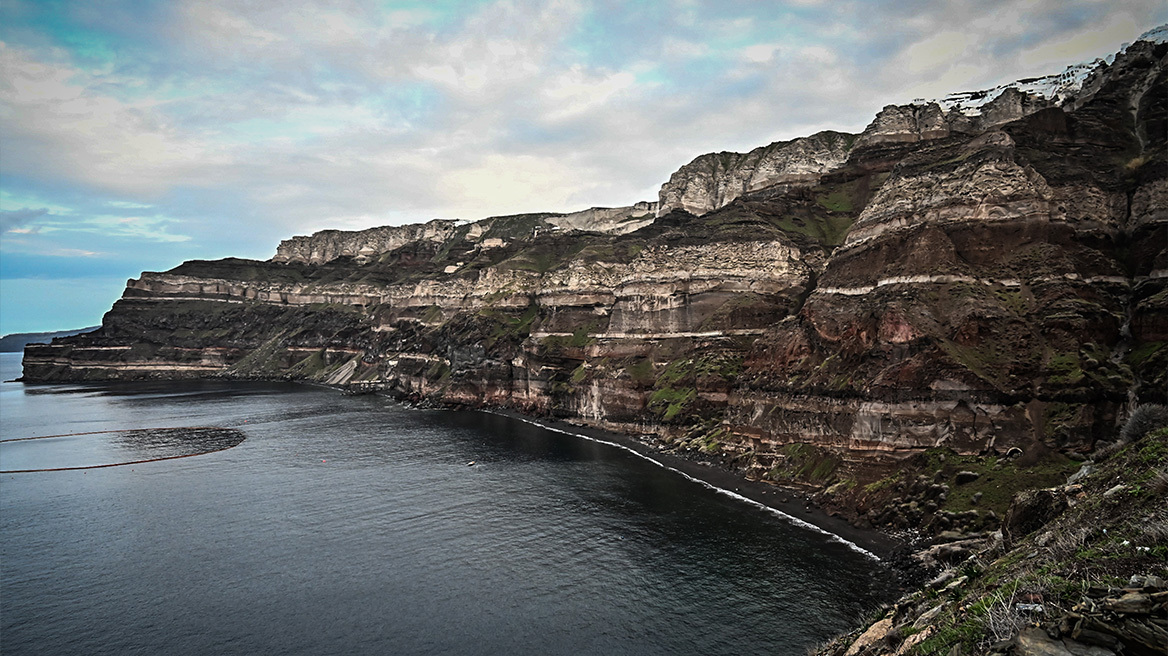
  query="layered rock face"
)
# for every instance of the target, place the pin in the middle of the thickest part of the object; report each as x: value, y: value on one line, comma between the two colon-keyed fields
x: 714, y: 180
x: 816, y: 310
x: 493, y: 232
x: 328, y: 245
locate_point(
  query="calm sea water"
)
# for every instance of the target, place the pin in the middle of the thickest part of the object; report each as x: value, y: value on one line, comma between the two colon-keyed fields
x: 353, y: 525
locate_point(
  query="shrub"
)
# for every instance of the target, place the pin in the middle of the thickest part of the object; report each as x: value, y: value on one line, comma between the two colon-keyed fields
x: 1142, y: 421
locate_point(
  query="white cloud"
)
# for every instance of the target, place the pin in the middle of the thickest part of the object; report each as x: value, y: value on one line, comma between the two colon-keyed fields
x: 305, y: 115
x: 57, y: 126
x: 680, y: 48
x: 577, y: 91
x: 1096, y: 40
x: 218, y: 27
x: 70, y: 252
x: 936, y: 51
x: 760, y: 52
x: 509, y: 183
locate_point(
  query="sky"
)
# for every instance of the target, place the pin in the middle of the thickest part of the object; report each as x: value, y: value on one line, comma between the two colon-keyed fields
x: 135, y: 135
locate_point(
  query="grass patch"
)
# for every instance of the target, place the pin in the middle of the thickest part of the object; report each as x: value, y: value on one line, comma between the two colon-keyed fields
x: 579, y: 374
x: 836, y: 200
x: 669, y: 402
x: 999, y: 479
x: 828, y: 229
x: 558, y: 344
x: 1064, y: 368
x: 967, y: 634
x: 1013, y: 300
x: 438, y: 372
x: 641, y: 371
x: 510, y: 327
x: 264, y: 361
x: 1057, y: 416
x: 805, y: 463
x: 883, y: 484
x: 310, y: 366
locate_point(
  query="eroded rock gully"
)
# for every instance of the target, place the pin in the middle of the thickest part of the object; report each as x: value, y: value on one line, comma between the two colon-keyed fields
x: 825, y: 312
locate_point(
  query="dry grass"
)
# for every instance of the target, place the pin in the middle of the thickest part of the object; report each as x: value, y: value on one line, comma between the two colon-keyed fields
x: 1154, y: 532
x: 1064, y: 544
x: 1159, y: 483
x: 1106, y: 451
x: 1002, y: 619
x: 1142, y: 421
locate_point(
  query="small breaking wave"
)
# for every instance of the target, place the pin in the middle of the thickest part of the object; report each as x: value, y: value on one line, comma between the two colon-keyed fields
x: 734, y: 495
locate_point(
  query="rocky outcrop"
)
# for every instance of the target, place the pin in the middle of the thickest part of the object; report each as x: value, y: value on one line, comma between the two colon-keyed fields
x: 493, y: 232
x: 714, y: 180
x: 328, y: 245
x: 1082, y: 573
x: 926, y: 121
x: 906, y: 123
x: 1030, y: 511
x: 611, y: 220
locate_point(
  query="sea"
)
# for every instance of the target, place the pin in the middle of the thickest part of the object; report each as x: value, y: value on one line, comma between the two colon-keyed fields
x: 277, y: 518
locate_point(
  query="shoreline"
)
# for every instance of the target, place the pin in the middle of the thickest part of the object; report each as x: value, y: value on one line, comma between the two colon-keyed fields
x: 792, y: 505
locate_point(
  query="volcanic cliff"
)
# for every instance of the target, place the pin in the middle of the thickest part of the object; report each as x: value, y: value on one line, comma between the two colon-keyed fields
x: 983, y: 274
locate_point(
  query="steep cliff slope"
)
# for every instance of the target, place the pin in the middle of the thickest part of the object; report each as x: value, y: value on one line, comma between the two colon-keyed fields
x: 952, y: 281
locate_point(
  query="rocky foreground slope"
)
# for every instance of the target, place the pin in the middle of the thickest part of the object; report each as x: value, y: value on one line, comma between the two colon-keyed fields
x: 979, y: 276
x: 1078, y: 569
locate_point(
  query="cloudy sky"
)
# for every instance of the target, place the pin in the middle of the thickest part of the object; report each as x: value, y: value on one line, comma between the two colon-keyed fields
x: 137, y: 134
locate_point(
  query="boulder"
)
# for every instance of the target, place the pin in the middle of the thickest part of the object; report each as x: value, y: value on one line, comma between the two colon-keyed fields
x: 874, y: 634
x: 1033, y: 641
x: 1080, y: 649
x: 1129, y: 603
x: 912, y: 641
x: 928, y: 616
x: 1086, y: 470
x: 1114, y: 491
x: 1030, y: 511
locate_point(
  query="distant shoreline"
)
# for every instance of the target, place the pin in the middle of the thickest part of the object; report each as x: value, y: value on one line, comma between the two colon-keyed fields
x: 15, y: 342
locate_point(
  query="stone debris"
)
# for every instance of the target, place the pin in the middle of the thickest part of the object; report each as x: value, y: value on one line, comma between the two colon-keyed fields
x: 1131, y: 621
x: 913, y: 640
x: 874, y: 634
x: 1084, y: 471
x: 955, y: 583
x: 928, y: 616
x: 1107, y: 622
x: 1033, y: 641
x: 1114, y: 491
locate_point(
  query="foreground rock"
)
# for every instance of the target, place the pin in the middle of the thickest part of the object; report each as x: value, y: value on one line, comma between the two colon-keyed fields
x: 1088, y: 580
